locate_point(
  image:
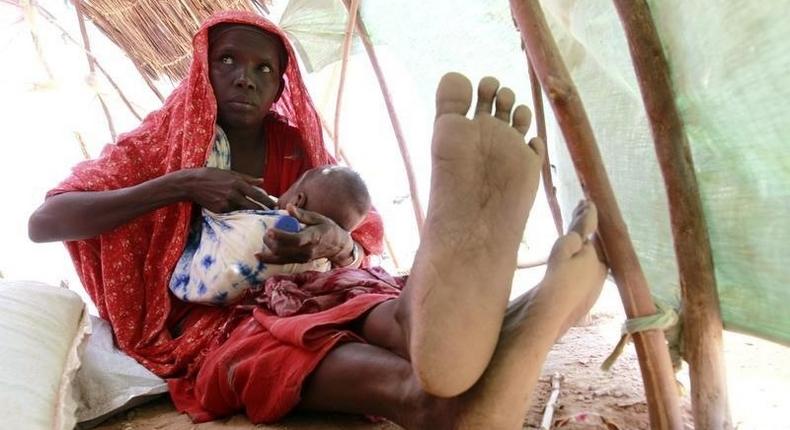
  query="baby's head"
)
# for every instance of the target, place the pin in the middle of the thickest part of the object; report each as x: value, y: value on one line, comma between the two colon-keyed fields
x: 336, y: 192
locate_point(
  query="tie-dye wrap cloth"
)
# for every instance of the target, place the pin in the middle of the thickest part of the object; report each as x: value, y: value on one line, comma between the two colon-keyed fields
x: 219, y: 263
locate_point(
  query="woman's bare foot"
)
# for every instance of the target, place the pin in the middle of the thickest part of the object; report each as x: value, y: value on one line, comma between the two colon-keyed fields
x: 569, y: 258
x: 483, y: 184
x: 533, y: 323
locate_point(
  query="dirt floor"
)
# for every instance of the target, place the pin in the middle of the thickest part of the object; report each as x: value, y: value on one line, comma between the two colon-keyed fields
x: 589, y: 398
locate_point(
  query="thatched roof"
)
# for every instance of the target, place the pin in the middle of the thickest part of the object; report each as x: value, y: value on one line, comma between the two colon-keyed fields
x: 157, y: 34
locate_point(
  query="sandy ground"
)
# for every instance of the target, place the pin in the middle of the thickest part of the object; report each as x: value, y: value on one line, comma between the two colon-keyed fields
x: 608, y: 400
x: 759, y: 380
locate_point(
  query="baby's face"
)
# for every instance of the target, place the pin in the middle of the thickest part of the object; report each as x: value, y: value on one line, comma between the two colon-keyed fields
x: 343, y: 215
x: 315, y: 195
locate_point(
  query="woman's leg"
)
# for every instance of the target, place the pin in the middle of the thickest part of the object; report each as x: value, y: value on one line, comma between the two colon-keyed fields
x: 453, y: 320
x: 366, y: 379
x: 533, y: 323
x: 483, y: 184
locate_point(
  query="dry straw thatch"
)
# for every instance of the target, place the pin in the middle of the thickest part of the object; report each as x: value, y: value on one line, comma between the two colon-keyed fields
x: 157, y: 34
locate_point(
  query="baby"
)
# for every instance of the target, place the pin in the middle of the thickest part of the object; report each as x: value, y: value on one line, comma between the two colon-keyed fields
x: 219, y: 261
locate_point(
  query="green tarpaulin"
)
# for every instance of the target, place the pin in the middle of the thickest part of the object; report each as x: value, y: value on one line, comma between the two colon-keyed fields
x: 731, y: 71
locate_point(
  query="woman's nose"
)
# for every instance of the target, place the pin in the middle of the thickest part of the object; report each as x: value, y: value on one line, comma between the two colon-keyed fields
x: 244, y: 79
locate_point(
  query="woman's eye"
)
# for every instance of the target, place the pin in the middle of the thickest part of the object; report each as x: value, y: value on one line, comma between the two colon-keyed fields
x: 227, y: 60
x: 265, y: 68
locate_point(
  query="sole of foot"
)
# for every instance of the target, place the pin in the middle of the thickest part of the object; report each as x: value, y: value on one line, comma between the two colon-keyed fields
x: 483, y: 184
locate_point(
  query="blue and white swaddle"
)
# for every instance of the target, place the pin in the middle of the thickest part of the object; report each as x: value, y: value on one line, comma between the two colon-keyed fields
x: 218, y: 263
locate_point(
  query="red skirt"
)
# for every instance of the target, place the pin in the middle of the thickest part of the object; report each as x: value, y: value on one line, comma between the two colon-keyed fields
x: 261, y: 368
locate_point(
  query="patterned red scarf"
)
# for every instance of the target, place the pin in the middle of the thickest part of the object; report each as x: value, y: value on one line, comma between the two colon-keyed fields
x: 126, y: 270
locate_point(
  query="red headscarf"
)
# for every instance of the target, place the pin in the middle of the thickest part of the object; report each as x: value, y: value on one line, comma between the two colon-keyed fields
x: 126, y: 270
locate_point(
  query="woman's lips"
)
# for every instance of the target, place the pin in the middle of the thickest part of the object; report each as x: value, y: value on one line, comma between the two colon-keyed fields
x: 242, y: 105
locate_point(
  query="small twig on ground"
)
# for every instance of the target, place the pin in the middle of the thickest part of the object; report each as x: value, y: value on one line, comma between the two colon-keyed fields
x: 551, y: 405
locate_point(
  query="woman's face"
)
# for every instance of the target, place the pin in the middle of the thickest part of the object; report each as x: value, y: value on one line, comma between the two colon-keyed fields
x: 245, y: 70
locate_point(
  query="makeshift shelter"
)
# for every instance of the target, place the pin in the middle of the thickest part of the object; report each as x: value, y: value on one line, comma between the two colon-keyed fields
x: 706, y: 81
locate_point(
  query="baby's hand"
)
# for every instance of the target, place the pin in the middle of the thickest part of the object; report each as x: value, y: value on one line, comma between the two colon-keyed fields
x: 320, y: 238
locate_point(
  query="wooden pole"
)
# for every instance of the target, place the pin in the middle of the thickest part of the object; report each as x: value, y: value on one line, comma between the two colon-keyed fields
x: 352, y: 21
x: 30, y: 15
x: 140, y: 70
x: 387, y: 243
x: 540, y: 121
x: 404, y: 150
x: 147, y: 80
x: 49, y: 17
x: 702, y: 325
x: 346, y: 160
x: 116, y: 87
x: 651, y: 348
x: 92, y: 68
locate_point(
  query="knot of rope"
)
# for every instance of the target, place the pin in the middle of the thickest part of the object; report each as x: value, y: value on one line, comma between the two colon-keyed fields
x: 665, y: 318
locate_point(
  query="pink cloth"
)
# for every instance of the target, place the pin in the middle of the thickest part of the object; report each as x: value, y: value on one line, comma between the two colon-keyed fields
x: 311, y: 292
x: 261, y: 368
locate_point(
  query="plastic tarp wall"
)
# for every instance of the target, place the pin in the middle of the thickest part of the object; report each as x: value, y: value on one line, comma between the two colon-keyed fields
x: 730, y: 71
x: 730, y: 68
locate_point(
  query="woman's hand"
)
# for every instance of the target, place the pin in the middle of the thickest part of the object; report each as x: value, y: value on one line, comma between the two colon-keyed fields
x: 321, y: 238
x: 221, y: 190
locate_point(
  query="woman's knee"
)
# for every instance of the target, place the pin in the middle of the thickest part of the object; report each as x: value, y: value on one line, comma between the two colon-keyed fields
x: 385, y: 327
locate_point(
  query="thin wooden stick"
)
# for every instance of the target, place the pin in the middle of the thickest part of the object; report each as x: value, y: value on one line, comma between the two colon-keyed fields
x: 352, y: 21
x: 391, y: 252
x: 129, y: 53
x: 346, y: 160
x: 81, y: 142
x: 540, y: 121
x: 12, y: 37
x: 551, y: 405
x: 117, y: 88
x: 387, y: 243
x: 51, y: 19
x: 702, y: 325
x: 18, y: 21
x: 92, y: 68
x: 325, y: 126
x: 404, y: 150
x: 147, y: 80
x: 107, y: 115
x: 28, y: 7
x: 92, y: 61
x: 262, y: 7
x: 93, y: 64
x: 654, y: 360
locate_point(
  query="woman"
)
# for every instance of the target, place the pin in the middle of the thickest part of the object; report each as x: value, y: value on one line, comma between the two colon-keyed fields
x: 144, y: 187
x: 437, y: 355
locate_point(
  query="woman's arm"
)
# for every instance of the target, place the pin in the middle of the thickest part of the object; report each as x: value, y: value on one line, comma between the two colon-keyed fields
x: 84, y: 214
